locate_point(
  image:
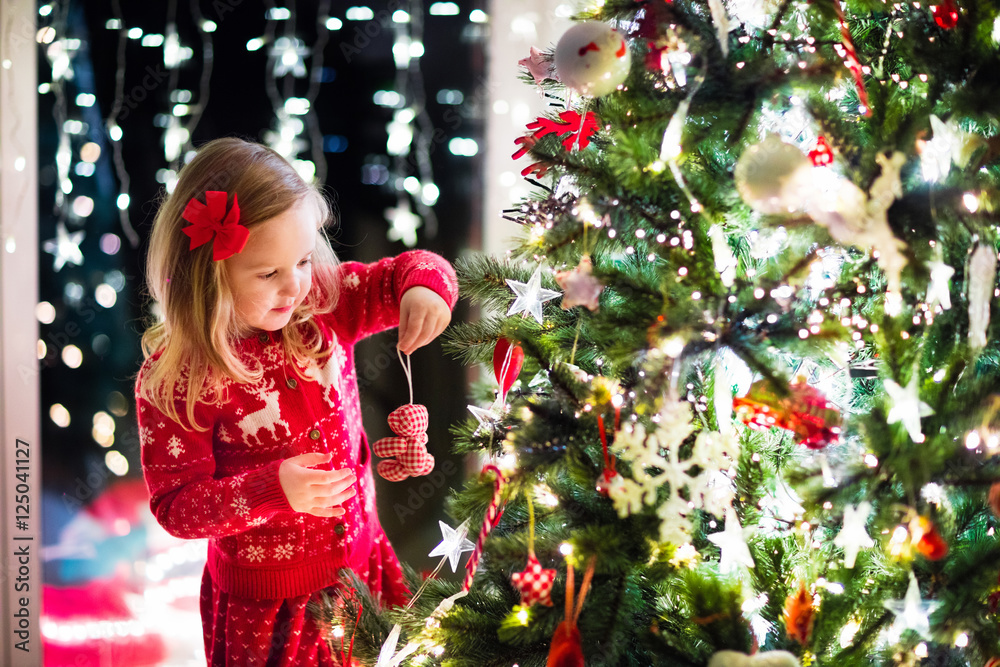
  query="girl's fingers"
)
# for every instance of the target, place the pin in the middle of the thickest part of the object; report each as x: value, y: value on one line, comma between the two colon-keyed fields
x: 412, y: 329
x: 344, y: 477
x: 342, y: 497
x: 334, y: 494
x: 430, y: 328
x: 310, y: 459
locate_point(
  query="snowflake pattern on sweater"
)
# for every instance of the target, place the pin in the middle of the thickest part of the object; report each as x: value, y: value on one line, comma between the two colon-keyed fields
x: 223, y: 483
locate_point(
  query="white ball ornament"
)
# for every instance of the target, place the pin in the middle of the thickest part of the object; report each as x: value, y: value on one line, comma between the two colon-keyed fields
x: 770, y: 176
x: 592, y: 58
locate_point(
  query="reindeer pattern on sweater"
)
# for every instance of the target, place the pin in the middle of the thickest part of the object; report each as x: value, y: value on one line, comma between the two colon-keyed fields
x: 223, y: 483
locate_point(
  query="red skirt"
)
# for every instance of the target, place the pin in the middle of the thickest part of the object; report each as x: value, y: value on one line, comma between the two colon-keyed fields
x: 245, y: 632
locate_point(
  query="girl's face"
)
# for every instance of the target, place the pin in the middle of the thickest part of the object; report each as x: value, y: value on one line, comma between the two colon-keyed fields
x: 273, y: 274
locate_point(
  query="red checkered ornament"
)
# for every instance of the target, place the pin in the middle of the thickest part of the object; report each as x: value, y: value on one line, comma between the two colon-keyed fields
x: 409, y: 447
x: 534, y: 583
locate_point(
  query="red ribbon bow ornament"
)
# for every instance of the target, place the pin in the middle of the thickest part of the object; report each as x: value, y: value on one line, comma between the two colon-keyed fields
x: 211, y: 220
x: 409, y: 447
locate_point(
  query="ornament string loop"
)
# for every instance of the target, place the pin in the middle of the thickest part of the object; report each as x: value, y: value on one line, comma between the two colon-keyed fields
x: 502, y: 394
x: 407, y: 369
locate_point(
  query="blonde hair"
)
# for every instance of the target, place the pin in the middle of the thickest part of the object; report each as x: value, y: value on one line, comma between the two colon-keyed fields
x: 198, y: 330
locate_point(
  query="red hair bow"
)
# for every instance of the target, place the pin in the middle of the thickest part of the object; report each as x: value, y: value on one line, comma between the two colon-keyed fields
x: 211, y: 220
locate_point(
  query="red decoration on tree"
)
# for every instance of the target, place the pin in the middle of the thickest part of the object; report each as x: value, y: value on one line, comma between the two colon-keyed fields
x: 610, y: 475
x: 654, y: 57
x: 409, y: 446
x: 534, y: 583
x: 851, y: 59
x: 654, y: 13
x: 799, y: 615
x: 578, y: 128
x: 946, y: 14
x: 993, y: 662
x: 804, y: 411
x: 565, y: 650
x: 822, y: 154
x: 926, y: 538
x: 994, y: 498
x: 492, y: 517
x: 507, y: 361
x: 993, y: 603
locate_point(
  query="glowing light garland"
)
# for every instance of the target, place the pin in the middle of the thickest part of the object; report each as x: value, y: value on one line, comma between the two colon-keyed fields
x: 286, y: 61
x: 409, y: 133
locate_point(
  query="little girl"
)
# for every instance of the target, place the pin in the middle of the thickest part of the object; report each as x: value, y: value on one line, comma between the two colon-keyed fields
x: 247, y: 401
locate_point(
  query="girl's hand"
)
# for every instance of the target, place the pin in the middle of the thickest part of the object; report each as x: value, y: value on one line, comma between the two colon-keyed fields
x: 316, y: 492
x: 423, y: 315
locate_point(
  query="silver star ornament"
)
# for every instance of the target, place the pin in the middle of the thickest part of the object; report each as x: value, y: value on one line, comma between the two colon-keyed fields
x: 453, y: 543
x: 487, y: 417
x: 854, y: 536
x: 907, y: 407
x: 530, y: 296
x: 733, y: 545
x: 912, y: 613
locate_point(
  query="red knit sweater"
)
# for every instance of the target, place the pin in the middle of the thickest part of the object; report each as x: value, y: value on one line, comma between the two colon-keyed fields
x: 223, y: 483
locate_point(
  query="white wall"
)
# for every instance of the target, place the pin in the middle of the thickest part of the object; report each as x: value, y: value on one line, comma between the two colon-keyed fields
x: 20, y: 576
x: 515, y: 26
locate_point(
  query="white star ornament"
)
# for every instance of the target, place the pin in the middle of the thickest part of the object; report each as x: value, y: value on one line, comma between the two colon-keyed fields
x: 733, y: 545
x: 912, y: 613
x: 530, y: 296
x: 453, y: 543
x: 65, y: 247
x: 907, y: 407
x: 854, y: 537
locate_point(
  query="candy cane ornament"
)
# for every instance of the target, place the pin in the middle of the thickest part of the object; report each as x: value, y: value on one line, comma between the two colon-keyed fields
x: 851, y: 59
x: 405, y: 454
x: 492, y: 518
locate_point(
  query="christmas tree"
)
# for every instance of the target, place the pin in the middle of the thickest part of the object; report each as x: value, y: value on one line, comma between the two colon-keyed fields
x: 761, y: 428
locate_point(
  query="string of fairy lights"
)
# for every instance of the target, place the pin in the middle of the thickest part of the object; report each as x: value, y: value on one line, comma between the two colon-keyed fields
x: 83, y: 136
x: 411, y: 135
x: 295, y: 114
x: 86, y: 142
